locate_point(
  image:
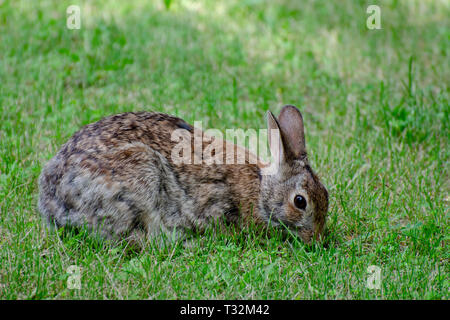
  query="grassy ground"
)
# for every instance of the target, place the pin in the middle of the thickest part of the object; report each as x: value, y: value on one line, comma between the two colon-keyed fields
x: 376, y: 111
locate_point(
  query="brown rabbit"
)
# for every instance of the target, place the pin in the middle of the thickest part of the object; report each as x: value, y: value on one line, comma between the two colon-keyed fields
x: 117, y: 177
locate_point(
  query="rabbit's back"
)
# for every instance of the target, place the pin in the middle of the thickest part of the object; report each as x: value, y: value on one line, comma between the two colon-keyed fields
x: 116, y: 176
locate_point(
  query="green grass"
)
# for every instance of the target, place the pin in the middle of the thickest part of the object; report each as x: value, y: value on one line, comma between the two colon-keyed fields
x: 376, y: 110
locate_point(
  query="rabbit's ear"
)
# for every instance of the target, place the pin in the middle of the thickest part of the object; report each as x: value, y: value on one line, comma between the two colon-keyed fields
x: 275, y: 141
x: 290, y: 122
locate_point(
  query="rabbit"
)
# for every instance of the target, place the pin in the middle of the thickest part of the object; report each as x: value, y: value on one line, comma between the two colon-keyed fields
x: 117, y: 177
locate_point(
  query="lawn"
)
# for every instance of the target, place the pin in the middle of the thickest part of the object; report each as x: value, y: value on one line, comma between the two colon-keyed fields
x: 376, y: 110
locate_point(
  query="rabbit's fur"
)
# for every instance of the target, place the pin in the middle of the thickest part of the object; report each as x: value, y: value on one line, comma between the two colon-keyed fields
x: 116, y: 177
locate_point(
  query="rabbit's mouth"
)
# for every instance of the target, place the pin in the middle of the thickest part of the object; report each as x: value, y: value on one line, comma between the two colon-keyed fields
x: 304, y: 233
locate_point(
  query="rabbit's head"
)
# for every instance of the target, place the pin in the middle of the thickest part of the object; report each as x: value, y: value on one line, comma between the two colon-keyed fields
x: 291, y: 194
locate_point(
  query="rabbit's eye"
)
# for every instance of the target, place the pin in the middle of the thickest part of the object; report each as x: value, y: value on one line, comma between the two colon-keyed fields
x: 300, y: 202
